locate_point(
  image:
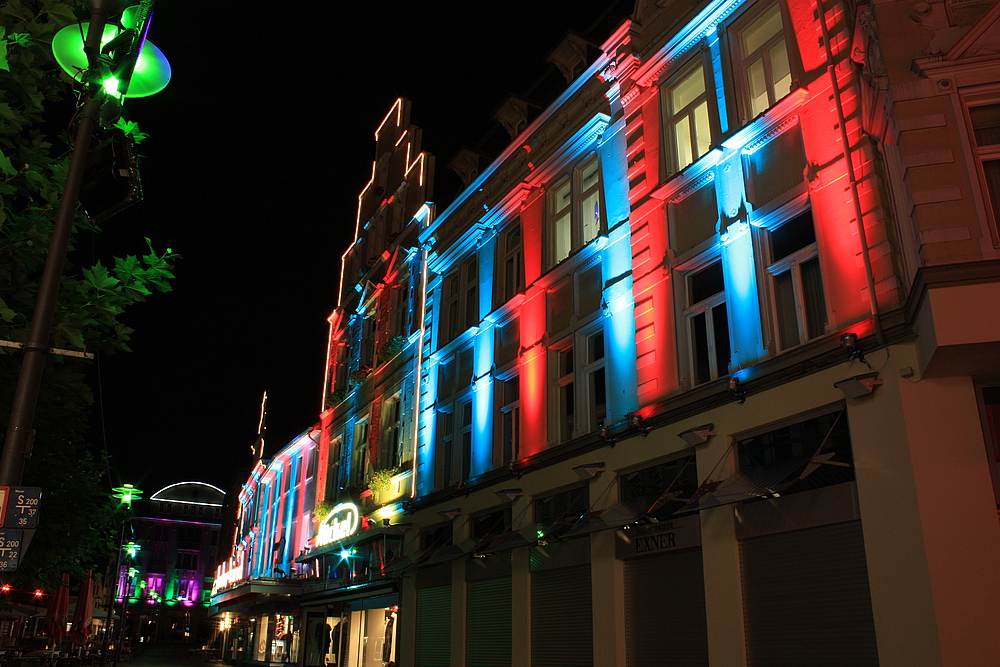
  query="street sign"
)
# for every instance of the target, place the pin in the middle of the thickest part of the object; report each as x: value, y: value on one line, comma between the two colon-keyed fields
x: 10, y: 548
x: 20, y: 506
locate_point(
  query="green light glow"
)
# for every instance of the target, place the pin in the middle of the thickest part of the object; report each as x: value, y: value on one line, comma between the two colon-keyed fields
x: 152, y: 71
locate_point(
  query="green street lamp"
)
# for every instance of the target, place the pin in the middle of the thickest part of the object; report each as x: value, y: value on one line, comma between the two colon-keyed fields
x: 125, y: 494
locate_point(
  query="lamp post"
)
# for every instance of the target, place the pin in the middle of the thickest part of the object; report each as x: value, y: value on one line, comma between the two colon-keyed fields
x: 105, y: 66
x: 124, y: 494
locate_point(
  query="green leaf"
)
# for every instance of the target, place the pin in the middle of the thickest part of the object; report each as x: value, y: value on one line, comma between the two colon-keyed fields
x: 6, y: 166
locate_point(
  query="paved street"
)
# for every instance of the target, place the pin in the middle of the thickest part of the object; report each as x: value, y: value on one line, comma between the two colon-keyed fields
x: 166, y: 655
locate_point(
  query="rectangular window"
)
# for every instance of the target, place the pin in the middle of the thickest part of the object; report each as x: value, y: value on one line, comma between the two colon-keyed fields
x: 510, y: 263
x: 556, y: 514
x: 454, y: 425
x: 359, y: 455
x: 507, y: 343
x: 986, y: 132
x: 788, y: 449
x: 579, y: 386
x: 391, y: 432
x: 574, y: 299
x: 509, y: 421
x: 460, y: 300
x: 708, y: 323
x: 686, y: 105
x: 763, y: 64
x: 798, y: 300
x: 662, y: 489
x: 574, y: 211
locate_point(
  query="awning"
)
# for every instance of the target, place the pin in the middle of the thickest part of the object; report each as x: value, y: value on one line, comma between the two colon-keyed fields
x: 507, y: 540
x: 762, y: 482
x: 616, y: 516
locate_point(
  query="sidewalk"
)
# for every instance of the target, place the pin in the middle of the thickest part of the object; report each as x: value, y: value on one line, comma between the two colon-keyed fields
x: 167, y: 655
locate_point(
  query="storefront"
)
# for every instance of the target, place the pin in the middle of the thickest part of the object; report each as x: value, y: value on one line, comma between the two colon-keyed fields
x: 352, y: 620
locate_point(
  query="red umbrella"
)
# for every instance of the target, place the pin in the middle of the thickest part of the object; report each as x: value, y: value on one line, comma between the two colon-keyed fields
x: 83, y: 617
x: 58, y: 614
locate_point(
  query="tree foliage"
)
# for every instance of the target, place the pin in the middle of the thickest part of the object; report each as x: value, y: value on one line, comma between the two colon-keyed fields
x: 36, y: 101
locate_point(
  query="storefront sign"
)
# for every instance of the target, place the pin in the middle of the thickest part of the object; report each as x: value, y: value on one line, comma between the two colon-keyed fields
x: 340, y: 524
x: 658, y: 537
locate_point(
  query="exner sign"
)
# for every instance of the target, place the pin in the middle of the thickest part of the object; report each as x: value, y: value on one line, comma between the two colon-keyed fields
x: 340, y: 523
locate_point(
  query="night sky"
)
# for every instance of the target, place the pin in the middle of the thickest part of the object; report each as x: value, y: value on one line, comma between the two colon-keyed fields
x: 257, y: 151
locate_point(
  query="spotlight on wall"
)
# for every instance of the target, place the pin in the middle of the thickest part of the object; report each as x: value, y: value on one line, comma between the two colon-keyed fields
x: 736, y: 389
x: 450, y: 513
x: 698, y: 435
x: 509, y: 494
x: 589, y: 470
x: 849, y: 341
x: 859, y: 385
x: 638, y: 423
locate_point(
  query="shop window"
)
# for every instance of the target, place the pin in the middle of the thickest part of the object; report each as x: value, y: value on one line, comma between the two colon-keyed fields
x: 460, y: 300
x: 796, y: 282
x: 486, y: 526
x: 985, y: 120
x: 788, y: 449
x: 662, y: 489
x: 579, y: 385
x: 762, y: 61
x: 707, y: 323
x: 686, y: 107
x: 557, y: 513
x: 574, y: 215
x: 510, y: 263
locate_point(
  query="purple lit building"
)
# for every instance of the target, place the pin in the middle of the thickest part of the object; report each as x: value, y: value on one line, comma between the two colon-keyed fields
x: 165, y: 586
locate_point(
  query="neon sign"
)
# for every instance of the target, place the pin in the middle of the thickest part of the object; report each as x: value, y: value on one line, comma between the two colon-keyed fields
x: 342, y: 522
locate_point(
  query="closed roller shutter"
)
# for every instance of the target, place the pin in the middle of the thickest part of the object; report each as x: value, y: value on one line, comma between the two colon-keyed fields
x: 665, y: 610
x: 487, y: 623
x: 562, y: 632
x: 433, y: 641
x: 806, y: 598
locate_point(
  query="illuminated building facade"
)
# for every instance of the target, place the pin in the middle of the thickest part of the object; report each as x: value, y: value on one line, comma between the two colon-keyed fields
x: 165, y: 581
x: 702, y: 369
x: 256, y: 589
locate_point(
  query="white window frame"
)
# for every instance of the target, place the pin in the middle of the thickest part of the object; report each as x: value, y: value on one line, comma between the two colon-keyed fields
x: 568, y: 227
x: 792, y: 263
x: 707, y: 307
x: 460, y: 299
x: 391, y: 435
x: 508, y: 419
x: 360, y: 458
x: 742, y: 60
x: 672, y: 117
x: 510, y: 263
x: 981, y: 155
x: 581, y: 414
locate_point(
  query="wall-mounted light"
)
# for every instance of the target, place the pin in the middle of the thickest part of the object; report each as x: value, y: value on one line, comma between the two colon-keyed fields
x: 450, y: 513
x: 637, y: 422
x: 698, y: 435
x: 589, y: 470
x: 849, y: 341
x: 509, y: 494
x: 859, y: 385
x: 736, y: 389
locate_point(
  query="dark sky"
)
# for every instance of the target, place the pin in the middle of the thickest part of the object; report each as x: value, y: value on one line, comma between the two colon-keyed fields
x: 257, y: 151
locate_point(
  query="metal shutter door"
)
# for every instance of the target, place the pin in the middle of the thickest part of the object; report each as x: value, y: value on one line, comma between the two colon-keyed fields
x: 562, y: 625
x: 487, y: 623
x: 665, y: 610
x: 433, y: 641
x: 806, y: 599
